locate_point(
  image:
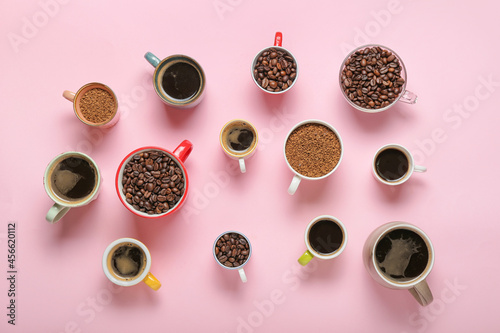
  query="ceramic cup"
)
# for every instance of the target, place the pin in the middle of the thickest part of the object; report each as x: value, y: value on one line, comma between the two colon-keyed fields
x: 127, y: 261
x: 72, y: 179
x: 403, y: 96
x: 393, y: 165
x: 76, y: 99
x: 399, y: 255
x: 179, y: 156
x: 238, y: 139
x: 278, y: 40
x: 178, y: 80
x: 297, y: 178
x: 239, y: 268
x: 325, y: 238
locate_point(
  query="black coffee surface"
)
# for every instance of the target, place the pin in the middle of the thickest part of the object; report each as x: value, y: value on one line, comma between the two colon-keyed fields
x: 73, y: 178
x: 181, y: 81
x: 402, y: 254
x: 127, y: 261
x: 391, y: 164
x: 325, y: 237
x: 240, y: 138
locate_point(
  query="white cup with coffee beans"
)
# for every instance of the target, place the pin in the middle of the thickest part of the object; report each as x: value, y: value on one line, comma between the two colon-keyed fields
x: 274, y: 69
x: 313, y: 150
x: 232, y: 250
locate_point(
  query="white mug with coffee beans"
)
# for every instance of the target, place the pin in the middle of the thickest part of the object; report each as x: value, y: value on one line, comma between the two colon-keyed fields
x: 238, y: 139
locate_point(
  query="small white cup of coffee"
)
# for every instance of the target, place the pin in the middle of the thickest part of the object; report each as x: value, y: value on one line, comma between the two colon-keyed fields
x: 72, y: 179
x: 393, y: 165
x: 127, y: 261
x: 399, y: 255
x: 238, y: 139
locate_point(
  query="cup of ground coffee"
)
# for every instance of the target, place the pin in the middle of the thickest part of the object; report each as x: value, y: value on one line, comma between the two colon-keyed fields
x: 399, y: 255
x: 373, y: 78
x: 127, y: 261
x: 325, y: 237
x: 152, y: 182
x: 95, y: 104
x: 232, y: 250
x: 238, y: 139
x: 179, y: 80
x: 393, y: 165
x: 71, y: 179
x: 313, y: 150
x: 274, y: 69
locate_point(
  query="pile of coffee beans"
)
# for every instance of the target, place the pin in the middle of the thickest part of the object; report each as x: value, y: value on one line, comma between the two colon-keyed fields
x: 232, y: 250
x: 153, y: 182
x: 97, y: 105
x: 275, y: 70
x: 371, y: 78
x: 313, y: 150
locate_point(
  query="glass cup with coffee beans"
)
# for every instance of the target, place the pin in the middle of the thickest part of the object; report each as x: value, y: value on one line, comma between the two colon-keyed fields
x: 274, y: 69
x: 373, y: 77
x: 232, y: 250
x: 152, y: 182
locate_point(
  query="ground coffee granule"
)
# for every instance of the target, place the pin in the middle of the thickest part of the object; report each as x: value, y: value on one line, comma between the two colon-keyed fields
x: 97, y: 105
x: 313, y: 150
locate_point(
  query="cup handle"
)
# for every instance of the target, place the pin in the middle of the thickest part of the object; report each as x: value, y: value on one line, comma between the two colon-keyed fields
x: 422, y: 293
x: 294, y: 185
x: 278, y: 39
x: 305, y: 258
x: 152, y: 59
x: 243, y: 168
x: 242, y: 275
x: 408, y: 97
x: 183, y: 150
x: 56, y: 212
x: 419, y: 168
x: 152, y: 282
x: 69, y: 95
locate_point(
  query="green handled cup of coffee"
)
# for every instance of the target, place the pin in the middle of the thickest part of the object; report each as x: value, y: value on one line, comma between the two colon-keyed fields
x: 325, y: 238
x: 178, y: 80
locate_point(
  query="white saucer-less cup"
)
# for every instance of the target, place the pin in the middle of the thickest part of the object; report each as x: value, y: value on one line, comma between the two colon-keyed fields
x: 240, y: 267
x: 408, y: 159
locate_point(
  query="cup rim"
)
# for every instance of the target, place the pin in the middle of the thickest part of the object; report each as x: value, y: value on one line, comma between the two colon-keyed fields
x: 403, y: 87
x: 247, y: 152
x: 172, y: 102
x: 334, y: 253
x: 249, y: 249
x: 111, y: 277
x: 403, y: 225
x: 119, y: 185
x: 255, y: 61
x: 321, y: 122
x: 53, y: 163
x: 86, y: 88
x: 411, y: 164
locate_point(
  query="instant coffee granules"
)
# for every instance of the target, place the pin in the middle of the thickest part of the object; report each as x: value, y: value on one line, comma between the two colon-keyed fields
x: 153, y: 182
x: 313, y: 150
x: 371, y: 78
x: 97, y: 105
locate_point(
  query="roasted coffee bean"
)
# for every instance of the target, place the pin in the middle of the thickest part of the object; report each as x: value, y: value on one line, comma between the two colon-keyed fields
x: 275, y: 70
x: 232, y: 248
x: 376, y: 74
x: 147, y: 182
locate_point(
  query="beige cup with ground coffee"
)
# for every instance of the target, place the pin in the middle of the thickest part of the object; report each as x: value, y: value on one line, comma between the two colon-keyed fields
x: 95, y: 104
x: 127, y: 262
x: 399, y: 255
x: 71, y: 180
x: 313, y: 150
x: 238, y: 138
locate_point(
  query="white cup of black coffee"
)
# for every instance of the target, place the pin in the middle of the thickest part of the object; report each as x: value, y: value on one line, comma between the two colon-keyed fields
x: 71, y: 179
x: 238, y: 139
x: 393, y: 165
x: 399, y: 255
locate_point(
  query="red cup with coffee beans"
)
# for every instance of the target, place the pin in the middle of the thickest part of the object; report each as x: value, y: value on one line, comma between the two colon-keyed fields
x: 274, y: 69
x: 152, y: 182
x: 373, y: 78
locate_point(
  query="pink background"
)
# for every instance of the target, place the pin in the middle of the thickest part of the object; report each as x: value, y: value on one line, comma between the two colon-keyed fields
x: 449, y: 50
